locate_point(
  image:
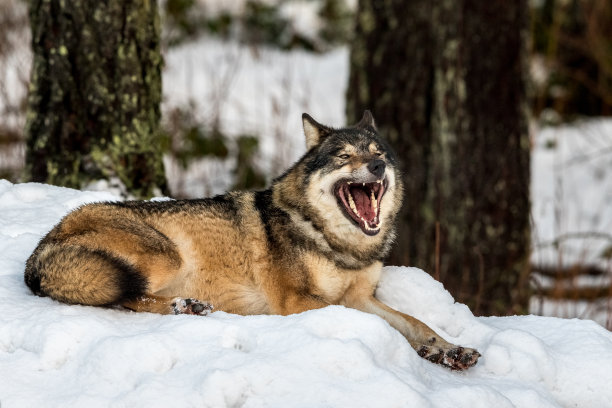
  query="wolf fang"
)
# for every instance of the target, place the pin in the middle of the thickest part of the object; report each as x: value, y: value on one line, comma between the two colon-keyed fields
x: 243, y: 251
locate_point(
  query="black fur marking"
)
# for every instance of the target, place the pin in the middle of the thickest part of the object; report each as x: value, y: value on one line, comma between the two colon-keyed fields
x: 319, y: 161
x: 267, y: 210
x: 224, y: 204
x: 131, y: 282
x: 32, y: 274
x: 146, y: 235
x: 32, y: 280
x: 277, y: 222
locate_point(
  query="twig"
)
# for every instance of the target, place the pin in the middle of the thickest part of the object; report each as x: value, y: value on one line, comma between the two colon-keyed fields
x: 437, y: 260
x: 481, y: 278
x: 568, y: 272
x: 575, y: 235
x: 574, y: 293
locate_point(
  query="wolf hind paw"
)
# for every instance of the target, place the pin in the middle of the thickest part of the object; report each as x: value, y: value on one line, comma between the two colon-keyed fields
x: 456, y: 358
x: 191, y: 306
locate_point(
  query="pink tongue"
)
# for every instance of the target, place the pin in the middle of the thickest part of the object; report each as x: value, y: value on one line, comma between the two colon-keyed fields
x: 363, y: 204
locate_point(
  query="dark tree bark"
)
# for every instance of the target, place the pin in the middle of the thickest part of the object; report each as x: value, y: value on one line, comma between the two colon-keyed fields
x: 446, y: 83
x: 95, y: 91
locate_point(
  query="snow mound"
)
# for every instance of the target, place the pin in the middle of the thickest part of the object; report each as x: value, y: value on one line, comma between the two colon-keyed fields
x: 55, y: 355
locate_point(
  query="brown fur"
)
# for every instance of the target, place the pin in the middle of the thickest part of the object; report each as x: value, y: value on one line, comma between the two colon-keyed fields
x: 282, y: 251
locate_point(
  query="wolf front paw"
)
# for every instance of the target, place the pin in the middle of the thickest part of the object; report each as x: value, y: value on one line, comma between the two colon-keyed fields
x: 191, y: 306
x: 456, y: 358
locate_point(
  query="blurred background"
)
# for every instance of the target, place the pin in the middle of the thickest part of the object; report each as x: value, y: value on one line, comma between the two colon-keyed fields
x: 498, y: 111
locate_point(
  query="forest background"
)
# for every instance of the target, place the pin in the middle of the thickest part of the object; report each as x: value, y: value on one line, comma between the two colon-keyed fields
x: 463, y: 90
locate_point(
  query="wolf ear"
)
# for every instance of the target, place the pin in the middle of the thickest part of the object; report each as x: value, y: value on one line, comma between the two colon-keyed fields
x: 366, y: 121
x: 313, y: 130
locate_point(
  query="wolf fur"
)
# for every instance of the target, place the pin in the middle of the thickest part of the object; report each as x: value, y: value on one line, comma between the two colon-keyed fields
x: 316, y: 237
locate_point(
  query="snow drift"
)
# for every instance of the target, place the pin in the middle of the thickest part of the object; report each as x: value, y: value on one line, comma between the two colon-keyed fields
x: 56, y: 355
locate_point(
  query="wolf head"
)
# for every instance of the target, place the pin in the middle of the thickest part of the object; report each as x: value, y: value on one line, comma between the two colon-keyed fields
x: 347, y: 187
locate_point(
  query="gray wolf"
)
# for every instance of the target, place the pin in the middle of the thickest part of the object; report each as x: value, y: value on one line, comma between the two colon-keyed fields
x: 316, y: 237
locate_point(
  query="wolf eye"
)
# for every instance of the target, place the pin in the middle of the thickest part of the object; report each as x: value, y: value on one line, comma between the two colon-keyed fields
x: 378, y: 154
x: 344, y: 156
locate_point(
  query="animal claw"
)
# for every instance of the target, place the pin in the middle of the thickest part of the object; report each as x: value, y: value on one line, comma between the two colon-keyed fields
x: 191, y: 306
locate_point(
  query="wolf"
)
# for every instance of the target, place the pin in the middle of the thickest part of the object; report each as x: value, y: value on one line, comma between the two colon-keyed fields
x: 316, y: 237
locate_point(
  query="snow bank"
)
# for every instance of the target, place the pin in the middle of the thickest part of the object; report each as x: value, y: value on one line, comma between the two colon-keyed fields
x: 55, y: 355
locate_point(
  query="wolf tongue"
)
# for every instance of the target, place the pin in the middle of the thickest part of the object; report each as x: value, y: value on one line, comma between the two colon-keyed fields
x: 363, y: 203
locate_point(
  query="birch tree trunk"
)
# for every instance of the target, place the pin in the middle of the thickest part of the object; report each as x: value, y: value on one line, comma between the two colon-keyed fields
x: 446, y: 83
x: 95, y: 92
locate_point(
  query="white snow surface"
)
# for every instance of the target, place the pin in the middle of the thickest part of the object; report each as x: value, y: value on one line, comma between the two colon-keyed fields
x: 57, y: 355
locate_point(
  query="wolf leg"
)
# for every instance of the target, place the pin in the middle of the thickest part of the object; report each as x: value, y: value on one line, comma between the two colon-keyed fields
x: 168, y: 305
x: 291, y: 303
x: 423, y: 339
x: 427, y: 343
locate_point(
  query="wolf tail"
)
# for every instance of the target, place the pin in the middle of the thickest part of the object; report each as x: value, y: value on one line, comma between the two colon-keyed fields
x: 77, y: 274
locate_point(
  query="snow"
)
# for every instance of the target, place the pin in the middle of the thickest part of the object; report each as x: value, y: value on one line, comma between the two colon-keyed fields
x: 57, y: 355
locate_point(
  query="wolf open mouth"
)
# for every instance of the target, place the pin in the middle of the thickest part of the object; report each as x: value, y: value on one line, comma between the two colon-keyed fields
x: 361, y: 203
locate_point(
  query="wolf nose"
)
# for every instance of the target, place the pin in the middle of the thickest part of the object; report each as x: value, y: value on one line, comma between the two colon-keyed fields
x: 377, y: 167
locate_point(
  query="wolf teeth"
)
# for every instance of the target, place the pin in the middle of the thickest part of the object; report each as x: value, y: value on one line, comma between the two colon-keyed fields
x: 374, y: 202
x: 354, y: 208
x: 365, y: 224
x: 352, y: 204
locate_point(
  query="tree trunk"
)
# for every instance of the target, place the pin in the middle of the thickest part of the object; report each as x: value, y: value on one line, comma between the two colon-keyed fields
x: 446, y: 83
x: 95, y: 91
